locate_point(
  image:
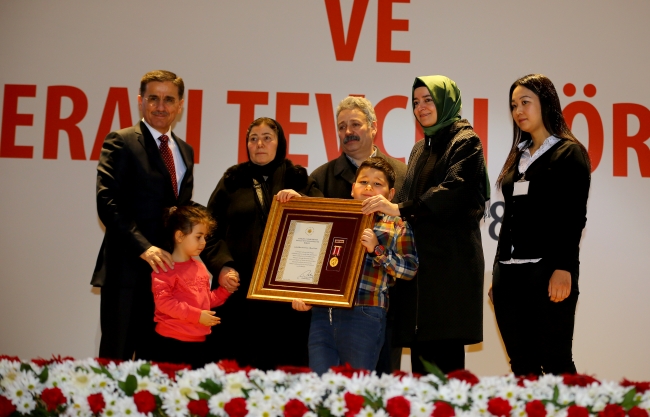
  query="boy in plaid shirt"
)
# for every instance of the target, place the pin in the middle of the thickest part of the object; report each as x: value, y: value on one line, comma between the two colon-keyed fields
x: 355, y: 336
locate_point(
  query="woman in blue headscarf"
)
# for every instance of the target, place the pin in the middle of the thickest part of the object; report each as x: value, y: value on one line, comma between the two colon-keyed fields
x: 443, y: 197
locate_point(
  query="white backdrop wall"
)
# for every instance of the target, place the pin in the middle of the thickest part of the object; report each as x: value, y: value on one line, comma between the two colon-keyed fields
x: 70, y: 72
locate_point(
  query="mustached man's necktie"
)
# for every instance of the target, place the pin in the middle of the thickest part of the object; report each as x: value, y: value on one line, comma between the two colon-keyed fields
x: 166, y: 154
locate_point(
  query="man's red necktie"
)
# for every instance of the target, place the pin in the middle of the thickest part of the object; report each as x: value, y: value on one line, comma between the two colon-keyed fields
x: 166, y: 154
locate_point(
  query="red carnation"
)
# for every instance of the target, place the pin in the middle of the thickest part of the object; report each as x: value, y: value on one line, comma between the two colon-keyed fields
x: 398, y: 407
x: 236, y: 407
x: 53, y: 397
x: 577, y: 411
x: 347, y: 370
x: 353, y: 403
x: 640, y: 387
x: 499, y: 407
x: 612, y: 410
x: 96, y: 402
x: 230, y: 366
x: 535, y: 408
x: 289, y: 369
x: 6, y: 406
x: 171, y: 368
x: 463, y: 375
x: 443, y: 409
x: 10, y: 358
x: 145, y: 401
x: 529, y: 377
x: 579, y: 380
x: 295, y: 408
x: 105, y: 361
x: 637, y: 412
x: 198, y: 407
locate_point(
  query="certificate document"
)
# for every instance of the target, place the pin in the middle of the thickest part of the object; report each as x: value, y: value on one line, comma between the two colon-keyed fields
x: 304, y: 251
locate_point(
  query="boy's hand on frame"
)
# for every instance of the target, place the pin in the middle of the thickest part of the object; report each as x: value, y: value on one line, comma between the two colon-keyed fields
x: 300, y: 305
x: 369, y: 240
x: 285, y: 195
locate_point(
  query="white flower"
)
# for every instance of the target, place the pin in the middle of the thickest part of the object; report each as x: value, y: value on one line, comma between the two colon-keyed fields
x: 218, y: 402
x: 175, y: 404
x: 126, y: 407
x: 420, y: 409
x: 26, y: 404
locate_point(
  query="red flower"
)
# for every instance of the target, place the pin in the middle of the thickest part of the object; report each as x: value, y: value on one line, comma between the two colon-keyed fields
x: 288, y: 369
x: 96, y: 402
x: 347, y: 370
x: 398, y: 407
x: 105, y: 361
x: 54, y: 359
x: 612, y: 410
x: 230, y: 366
x: 577, y: 411
x: 640, y: 387
x: 463, y: 375
x: 236, y: 407
x: 529, y: 377
x: 499, y: 407
x: 353, y: 403
x: 198, y: 407
x: 6, y: 406
x: 10, y: 358
x: 579, y: 380
x: 637, y: 412
x: 171, y: 368
x: 145, y: 401
x: 295, y: 408
x: 443, y: 409
x: 535, y: 408
x: 53, y: 397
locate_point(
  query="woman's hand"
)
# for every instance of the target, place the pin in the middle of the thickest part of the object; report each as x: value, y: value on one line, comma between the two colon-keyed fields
x: 300, y: 305
x: 379, y: 203
x: 285, y: 195
x: 369, y: 240
x: 207, y: 318
x: 559, y: 287
x: 229, y: 279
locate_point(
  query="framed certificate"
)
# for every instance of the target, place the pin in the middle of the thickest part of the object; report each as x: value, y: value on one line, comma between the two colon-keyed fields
x: 311, y: 250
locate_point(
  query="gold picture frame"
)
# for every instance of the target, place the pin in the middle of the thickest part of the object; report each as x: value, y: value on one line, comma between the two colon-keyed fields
x: 311, y: 250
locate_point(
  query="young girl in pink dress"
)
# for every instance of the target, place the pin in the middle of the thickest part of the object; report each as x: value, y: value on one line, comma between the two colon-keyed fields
x: 182, y: 295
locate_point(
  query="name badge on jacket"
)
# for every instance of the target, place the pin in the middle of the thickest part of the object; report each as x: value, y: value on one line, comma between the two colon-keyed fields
x: 521, y: 188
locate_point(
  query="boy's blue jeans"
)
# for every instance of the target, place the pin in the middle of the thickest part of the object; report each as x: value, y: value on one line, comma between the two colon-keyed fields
x: 353, y: 336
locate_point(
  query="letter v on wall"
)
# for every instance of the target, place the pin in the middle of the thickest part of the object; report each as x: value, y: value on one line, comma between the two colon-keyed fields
x: 344, y: 49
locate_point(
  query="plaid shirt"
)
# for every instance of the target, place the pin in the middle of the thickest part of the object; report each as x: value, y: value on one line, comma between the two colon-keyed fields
x: 400, y: 260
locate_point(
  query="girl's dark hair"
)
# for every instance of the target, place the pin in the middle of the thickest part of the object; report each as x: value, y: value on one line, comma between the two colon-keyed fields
x: 380, y: 164
x: 552, y: 118
x: 184, y: 218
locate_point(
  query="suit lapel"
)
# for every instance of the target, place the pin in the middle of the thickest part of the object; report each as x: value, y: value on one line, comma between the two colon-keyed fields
x: 188, y: 159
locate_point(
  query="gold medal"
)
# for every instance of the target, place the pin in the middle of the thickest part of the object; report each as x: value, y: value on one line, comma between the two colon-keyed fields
x: 334, y: 261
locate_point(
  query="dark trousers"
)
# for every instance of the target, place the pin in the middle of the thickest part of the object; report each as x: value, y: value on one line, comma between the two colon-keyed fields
x: 448, y: 355
x: 170, y: 350
x: 537, y: 333
x: 126, y: 318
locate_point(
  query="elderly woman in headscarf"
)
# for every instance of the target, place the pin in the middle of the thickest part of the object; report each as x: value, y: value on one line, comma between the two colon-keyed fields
x: 443, y: 198
x: 262, y: 334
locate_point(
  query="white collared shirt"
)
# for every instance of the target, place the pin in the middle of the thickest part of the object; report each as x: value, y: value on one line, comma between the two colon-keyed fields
x: 176, y: 153
x: 374, y: 153
x: 524, y: 162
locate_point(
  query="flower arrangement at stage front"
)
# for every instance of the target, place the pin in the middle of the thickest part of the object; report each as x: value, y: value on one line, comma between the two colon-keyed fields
x: 95, y: 387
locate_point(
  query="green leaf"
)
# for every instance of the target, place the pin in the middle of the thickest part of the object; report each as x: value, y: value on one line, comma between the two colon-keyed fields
x: 203, y: 395
x: 129, y: 385
x: 432, y: 368
x: 323, y: 412
x: 374, y: 403
x: 144, y: 370
x: 211, y: 386
x: 26, y: 367
x: 102, y: 370
x: 629, y: 401
x: 245, y: 392
x: 44, y: 375
x: 556, y: 395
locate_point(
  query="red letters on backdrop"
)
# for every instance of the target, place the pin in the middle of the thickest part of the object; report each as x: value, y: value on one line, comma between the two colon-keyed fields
x: 344, y: 49
x: 247, y: 101
x: 54, y: 123
x: 11, y: 119
x: 283, y: 104
x: 118, y: 98
x: 622, y: 141
x: 194, y: 115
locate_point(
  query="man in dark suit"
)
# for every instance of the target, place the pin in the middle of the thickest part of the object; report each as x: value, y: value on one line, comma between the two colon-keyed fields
x: 357, y: 127
x: 142, y: 170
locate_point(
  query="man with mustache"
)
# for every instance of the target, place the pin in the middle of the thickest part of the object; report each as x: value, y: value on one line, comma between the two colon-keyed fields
x: 357, y: 126
x: 142, y: 170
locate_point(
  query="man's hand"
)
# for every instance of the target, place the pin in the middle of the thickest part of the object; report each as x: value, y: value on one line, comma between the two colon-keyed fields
x: 300, y: 305
x: 369, y: 240
x: 157, y: 258
x: 559, y: 287
x: 379, y: 203
x: 285, y: 195
x: 229, y: 279
x: 207, y: 318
